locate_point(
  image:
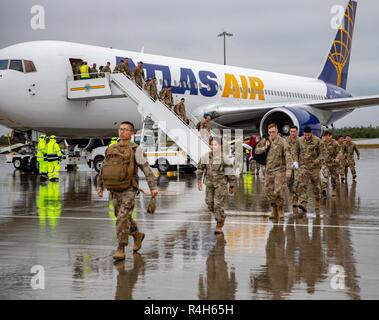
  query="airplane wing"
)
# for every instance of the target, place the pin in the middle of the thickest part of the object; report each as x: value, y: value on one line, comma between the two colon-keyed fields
x: 256, y: 111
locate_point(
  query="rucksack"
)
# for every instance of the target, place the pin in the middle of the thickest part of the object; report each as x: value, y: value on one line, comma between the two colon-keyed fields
x: 261, y: 158
x: 119, y: 169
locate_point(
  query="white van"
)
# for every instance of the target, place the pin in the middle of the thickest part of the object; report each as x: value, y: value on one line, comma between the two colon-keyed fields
x: 163, y: 158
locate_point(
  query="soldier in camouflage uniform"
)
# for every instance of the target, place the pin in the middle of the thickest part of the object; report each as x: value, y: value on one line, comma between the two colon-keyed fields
x: 309, y: 160
x: 330, y: 162
x: 204, y: 126
x: 180, y: 110
x: 218, y: 172
x: 166, y: 96
x: 278, y: 166
x: 123, y: 201
x: 106, y: 69
x: 123, y: 67
x: 343, y: 154
x: 293, y: 182
x: 351, y: 147
x: 151, y: 88
x: 139, y: 75
x: 76, y: 70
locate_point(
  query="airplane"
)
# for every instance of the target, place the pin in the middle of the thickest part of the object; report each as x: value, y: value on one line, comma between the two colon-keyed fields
x: 34, y: 77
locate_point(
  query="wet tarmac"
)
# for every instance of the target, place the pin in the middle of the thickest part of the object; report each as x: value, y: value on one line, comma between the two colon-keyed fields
x: 68, y: 231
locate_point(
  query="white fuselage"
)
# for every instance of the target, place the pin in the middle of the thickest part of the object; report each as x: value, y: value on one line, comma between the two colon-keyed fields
x: 38, y: 100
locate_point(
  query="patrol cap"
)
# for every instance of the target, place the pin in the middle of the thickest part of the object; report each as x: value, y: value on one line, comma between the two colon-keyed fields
x: 307, y: 129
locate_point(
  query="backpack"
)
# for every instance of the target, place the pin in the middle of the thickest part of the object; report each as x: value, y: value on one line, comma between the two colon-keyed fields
x: 119, y: 169
x: 261, y: 158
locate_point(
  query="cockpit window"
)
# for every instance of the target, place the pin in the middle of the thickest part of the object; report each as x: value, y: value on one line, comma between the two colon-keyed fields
x: 29, y: 66
x: 16, y: 65
x: 4, y: 64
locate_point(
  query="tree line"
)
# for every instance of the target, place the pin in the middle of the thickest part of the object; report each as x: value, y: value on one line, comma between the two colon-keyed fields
x: 357, y: 132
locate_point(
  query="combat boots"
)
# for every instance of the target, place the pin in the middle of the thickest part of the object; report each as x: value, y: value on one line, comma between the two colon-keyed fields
x: 138, y: 238
x: 334, y: 192
x: 120, y: 252
x: 219, y: 226
x: 274, y: 212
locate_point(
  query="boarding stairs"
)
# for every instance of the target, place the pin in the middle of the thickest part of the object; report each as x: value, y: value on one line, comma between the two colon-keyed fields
x: 118, y: 85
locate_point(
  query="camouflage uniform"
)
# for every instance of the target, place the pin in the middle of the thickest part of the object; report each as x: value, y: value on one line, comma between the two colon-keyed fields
x: 351, y: 147
x: 166, y: 97
x: 77, y: 72
x: 216, y: 181
x: 151, y: 88
x: 204, y: 127
x: 279, y: 159
x: 180, y: 110
x: 105, y: 69
x: 342, y: 164
x: 123, y: 201
x: 310, y: 151
x: 94, y: 73
x: 293, y: 182
x: 139, y: 76
x: 123, y: 68
x: 330, y: 160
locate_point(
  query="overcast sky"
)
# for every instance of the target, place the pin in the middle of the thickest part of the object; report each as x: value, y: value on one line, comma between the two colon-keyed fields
x: 292, y: 36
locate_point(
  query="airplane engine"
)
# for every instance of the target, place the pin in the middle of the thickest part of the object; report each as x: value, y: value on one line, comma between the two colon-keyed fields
x: 87, y: 144
x: 284, y: 118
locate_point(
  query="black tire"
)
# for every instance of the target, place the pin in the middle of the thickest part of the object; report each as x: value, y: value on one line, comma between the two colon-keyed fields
x: 25, y: 166
x: 163, y: 165
x: 97, y: 163
x: 189, y: 170
x: 17, y: 163
x: 33, y: 166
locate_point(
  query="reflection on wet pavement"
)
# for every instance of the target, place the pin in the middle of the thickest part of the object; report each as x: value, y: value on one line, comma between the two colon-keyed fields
x: 65, y: 228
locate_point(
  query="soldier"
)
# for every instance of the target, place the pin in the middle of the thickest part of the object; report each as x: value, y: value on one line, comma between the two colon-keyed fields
x: 76, y: 70
x: 180, y: 110
x: 204, y: 126
x: 166, y: 97
x: 41, y: 152
x: 94, y: 72
x: 218, y: 173
x: 123, y: 67
x: 278, y: 167
x: 139, y: 75
x: 293, y: 182
x: 351, y: 147
x: 330, y: 162
x: 106, y: 69
x: 343, y: 153
x: 151, y: 88
x: 309, y: 160
x: 53, y: 156
x: 119, y: 175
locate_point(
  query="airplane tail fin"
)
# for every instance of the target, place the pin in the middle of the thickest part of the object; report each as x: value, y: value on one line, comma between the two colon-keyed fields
x: 336, y: 67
